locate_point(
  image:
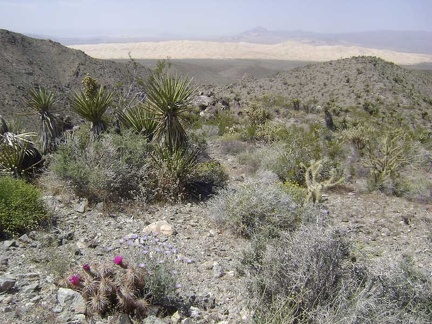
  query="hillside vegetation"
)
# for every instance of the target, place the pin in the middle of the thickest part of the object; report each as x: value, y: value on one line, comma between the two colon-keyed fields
x: 27, y: 63
x: 303, y: 197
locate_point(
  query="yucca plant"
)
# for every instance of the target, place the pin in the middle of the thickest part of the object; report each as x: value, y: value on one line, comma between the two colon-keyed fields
x: 168, y: 98
x: 18, y: 157
x: 139, y: 119
x: 92, y: 103
x: 42, y: 102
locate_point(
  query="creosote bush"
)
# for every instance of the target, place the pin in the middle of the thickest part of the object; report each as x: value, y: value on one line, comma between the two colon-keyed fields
x: 21, y: 207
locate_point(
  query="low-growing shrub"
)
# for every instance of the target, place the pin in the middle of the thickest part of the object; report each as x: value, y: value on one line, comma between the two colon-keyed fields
x: 21, y: 207
x: 298, y: 272
x: 110, y: 168
x: 170, y: 173
x: 310, y: 276
x: 231, y: 144
x: 206, y: 179
x: 257, y: 207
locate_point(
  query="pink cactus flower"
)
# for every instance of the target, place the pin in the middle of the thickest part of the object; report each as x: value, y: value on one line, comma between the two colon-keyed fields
x: 86, y: 267
x: 75, y: 280
x: 118, y: 260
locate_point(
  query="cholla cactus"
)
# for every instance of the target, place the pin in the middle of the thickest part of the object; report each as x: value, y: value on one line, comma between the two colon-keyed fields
x: 314, y: 187
x: 106, y: 287
x: 386, y: 157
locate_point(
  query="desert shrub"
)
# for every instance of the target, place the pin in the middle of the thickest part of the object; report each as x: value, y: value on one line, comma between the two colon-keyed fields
x: 225, y: 120
x: 108, y: 169
x: 21, y: 207
x: 298, y: 272
x: 251, y: 159
x: 301, y: 146
x: 257, y: 207
x: 297, y: 192
x: 231, y: 144
x: 311, y: 276
x: 170, y: 173
x: 206, y: 178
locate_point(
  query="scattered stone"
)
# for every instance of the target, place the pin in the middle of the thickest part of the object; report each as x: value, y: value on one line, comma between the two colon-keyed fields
x: 25, y: 239
x: 30, y: 288
x: 9, y: 243
x: 68, y: 298
x: 124, y: 319
x: 6, y: 283
x: 51, y: 202
x: 7, y: 300
x: 176, y: 317
x: 208, y: 265
x: 81, y: 206
x: 160, y: 227
x: 195, y: 313
x: 218, y: 271
x: 152, y: 320
x: 100, y: 206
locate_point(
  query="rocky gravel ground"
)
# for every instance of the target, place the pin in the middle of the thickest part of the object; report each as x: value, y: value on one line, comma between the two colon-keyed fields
x: 206, y: 258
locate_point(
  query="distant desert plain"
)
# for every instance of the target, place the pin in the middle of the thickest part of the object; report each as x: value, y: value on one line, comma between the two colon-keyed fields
x: 289, y: 50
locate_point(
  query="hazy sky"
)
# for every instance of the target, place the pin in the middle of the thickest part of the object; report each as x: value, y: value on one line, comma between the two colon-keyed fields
x: 210, y: 17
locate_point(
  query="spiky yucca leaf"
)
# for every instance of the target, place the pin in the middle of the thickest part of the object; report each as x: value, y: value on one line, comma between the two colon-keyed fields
x: 42, y: 102
x: 93, y: 108
x: 140, y: 119
x: 169, y: 98
x: 13, y: 151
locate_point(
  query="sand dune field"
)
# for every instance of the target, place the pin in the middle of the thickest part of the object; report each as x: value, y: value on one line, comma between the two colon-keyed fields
x: 290, y: 50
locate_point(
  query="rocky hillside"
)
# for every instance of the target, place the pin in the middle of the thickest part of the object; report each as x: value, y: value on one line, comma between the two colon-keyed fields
x: 26, y: 63
x: 358, y: 82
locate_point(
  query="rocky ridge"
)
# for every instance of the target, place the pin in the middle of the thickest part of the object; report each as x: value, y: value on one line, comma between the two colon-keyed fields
x: 26, y: 63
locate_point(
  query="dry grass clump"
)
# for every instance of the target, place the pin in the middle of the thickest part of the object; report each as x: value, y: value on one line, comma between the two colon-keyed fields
x: 310, y: 276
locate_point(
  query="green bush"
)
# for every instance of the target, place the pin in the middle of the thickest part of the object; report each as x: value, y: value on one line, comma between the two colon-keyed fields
x: 110, y: 168
x: 211, y: 172
x: 21, y: 207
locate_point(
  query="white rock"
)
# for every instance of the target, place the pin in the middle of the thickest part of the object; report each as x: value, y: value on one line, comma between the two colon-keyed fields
x: 72, y: 299
x: 160, y: 227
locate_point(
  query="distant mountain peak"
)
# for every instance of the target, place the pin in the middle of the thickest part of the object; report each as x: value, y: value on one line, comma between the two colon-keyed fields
x: 256, y: 31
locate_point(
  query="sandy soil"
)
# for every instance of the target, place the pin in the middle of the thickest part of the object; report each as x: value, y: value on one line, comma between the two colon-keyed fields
x: 291, y: 50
